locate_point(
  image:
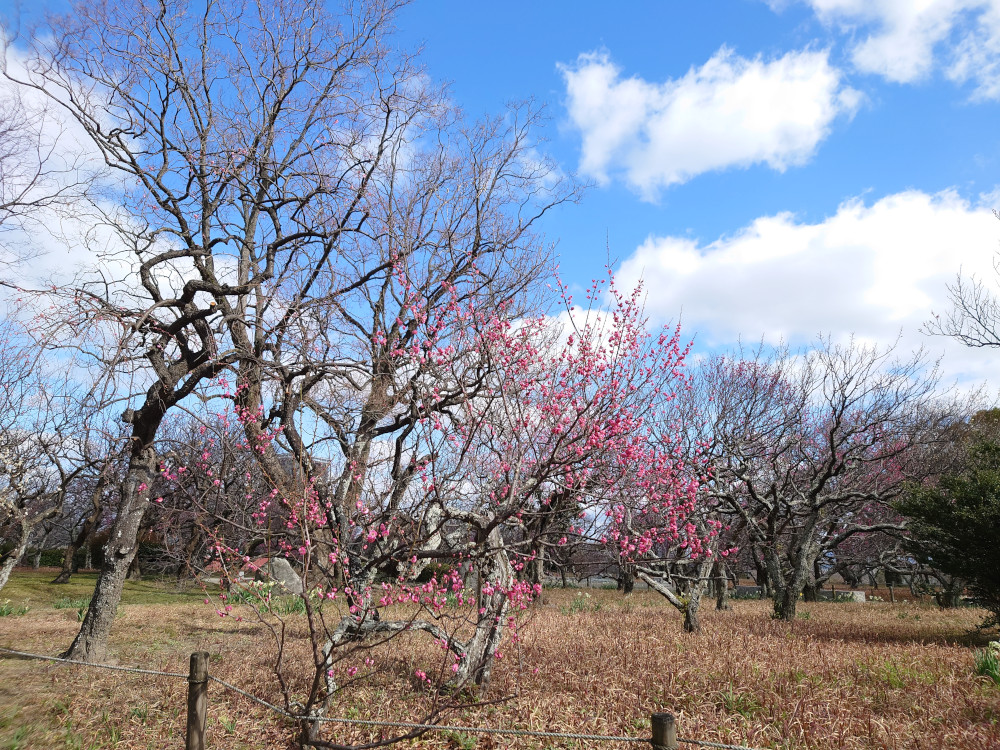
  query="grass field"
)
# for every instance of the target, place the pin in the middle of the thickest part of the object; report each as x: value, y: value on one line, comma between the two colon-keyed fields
x: 872, y: 675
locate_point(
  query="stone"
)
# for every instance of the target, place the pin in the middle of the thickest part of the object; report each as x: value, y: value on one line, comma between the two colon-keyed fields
x: 279, y: 570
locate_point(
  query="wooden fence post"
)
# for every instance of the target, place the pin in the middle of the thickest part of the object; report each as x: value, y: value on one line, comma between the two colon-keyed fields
x: 197, y: 701
x: 664, y: 732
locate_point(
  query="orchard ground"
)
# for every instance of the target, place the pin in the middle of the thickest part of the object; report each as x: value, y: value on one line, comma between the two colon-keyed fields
x: 874, y: 675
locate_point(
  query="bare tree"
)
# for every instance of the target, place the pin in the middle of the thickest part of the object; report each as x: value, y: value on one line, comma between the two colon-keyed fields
x: 974, y: 317
x: 40, y: 169
x: 93, y: 498
x: 244, y: 138
x: 279, y: 168
x: 40, y: 426
x: 806, y: 449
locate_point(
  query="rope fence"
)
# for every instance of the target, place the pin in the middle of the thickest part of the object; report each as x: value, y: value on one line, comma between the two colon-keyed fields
x: 664, y: 725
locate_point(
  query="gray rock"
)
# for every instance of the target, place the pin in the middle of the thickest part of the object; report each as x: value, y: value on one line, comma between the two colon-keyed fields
x: 279, y: 570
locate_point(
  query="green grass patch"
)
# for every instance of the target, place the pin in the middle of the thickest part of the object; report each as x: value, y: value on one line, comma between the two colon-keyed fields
x: 9, y: 609
x: 35, y: 588
x: 734, y: 701
x: 69, y: 603
x: 988, y: 662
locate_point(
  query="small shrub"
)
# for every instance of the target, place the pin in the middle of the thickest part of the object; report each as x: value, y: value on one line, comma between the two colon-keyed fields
x: 262, y: 597
x: 68, y: 603
x: 229, y: 724
x: 739, y: 703
x: 581, y: 603
x: 288, y: 605
x: 256, y: 594
x: 893, y: 676
x: 12, y: 610
x: 988, y: 662
x: 20, y: 735
x: 897, y: 675
x: 461, y: 740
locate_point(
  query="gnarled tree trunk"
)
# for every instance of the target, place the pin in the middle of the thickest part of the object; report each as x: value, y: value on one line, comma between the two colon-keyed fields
x: 722, y: 586
x: 90, y: 643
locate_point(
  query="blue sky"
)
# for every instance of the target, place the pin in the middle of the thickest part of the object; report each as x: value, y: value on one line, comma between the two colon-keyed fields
x: 776, y: 169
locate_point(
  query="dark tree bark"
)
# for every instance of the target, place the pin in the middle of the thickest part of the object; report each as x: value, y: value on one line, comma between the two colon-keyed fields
x: 134, y: 569
x: 626, y: 580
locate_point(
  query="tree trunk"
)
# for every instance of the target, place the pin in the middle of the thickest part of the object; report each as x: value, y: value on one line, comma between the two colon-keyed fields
x: 536, y: 568
x: 9, y: 561
x: 688, y: 604
x: 691, y: 622
x: 950, y: 596
x: 36, y: 560
x: 763, y: 578
x: 722, y: 587
x: 67, y: 563
x: 90, y: 643
x: 25, y: 527
x: 814, y: 584
x: 785, y: 604
x: 88, y: 560
x: 134, y: 570
x: 777, y: 582
x: 89, y: 524
x: 696, y: 589
x: 795, y: 576
x: 626, y: 580
x: 497, y: 575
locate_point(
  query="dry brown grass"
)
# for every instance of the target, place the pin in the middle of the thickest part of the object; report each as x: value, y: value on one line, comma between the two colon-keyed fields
x: 849, y: 676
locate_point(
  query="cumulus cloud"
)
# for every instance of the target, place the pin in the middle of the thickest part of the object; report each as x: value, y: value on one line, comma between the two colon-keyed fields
x: 875, y: 271
x: 905, y: 41
x: 730, y: 112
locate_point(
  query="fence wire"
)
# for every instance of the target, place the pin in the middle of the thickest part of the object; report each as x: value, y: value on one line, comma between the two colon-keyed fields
x: 376, y: 722
x: 113, y: 667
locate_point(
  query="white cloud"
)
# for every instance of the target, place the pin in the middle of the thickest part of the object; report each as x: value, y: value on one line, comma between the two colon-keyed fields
x: 874, y: 271
x: 54, y: 183
x: 905, y: 40
x: 730, y: 112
